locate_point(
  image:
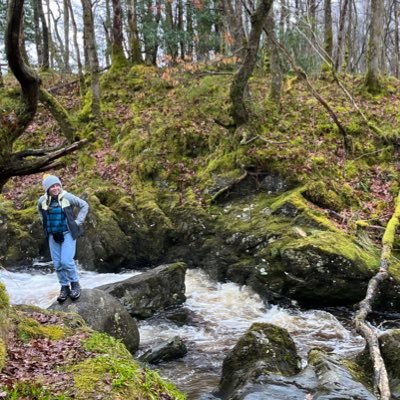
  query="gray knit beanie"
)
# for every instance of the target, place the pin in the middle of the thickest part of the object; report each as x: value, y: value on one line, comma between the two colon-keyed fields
x: 49, y: 181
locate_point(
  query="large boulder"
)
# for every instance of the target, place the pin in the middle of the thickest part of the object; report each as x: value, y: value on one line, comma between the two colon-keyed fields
x: 264, y: 349
x: 153, y: 291
x: 104, y: 313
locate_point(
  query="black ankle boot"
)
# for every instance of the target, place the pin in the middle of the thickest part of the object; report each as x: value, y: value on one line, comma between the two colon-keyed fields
x: 64, y: 293
x: 75, y: 290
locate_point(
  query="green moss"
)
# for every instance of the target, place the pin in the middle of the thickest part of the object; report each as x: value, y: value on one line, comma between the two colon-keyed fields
x: 29, y: 328
x: 3, y: 353
x: 4, y: 299
x: 34, y: 391
x: 115, y: 364
x: 340, y: 244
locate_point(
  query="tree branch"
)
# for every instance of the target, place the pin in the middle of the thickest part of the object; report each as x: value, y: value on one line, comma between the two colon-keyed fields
x: 38, y: 164
x: 35, y: 152
x: 381, y: 380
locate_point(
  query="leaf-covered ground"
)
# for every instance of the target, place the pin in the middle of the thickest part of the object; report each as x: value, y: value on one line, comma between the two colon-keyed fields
x: 34, y: 359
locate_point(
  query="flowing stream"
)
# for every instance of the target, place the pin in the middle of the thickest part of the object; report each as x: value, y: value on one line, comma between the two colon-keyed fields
x: 220, y: 314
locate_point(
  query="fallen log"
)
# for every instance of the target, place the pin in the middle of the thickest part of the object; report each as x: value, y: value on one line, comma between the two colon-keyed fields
x: 381, y: 380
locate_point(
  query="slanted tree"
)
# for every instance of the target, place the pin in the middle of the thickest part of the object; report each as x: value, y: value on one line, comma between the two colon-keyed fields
x: 239, y: 111
x: 18, y: 112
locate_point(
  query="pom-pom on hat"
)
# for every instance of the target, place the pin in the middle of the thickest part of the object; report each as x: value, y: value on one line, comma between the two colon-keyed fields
x: 49, y: 181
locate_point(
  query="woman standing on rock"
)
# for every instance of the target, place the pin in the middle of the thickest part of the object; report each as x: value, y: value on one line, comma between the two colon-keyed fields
x: 62, y: 228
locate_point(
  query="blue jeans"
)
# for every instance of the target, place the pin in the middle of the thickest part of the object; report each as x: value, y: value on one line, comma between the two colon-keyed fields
x: 62, y: 255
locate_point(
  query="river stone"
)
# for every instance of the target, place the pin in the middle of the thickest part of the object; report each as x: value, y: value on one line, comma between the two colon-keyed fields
x: 102, y: 312
x: 278, y: 387
x: 153, y: 291
x: 335, y: 381
x: 171, y: 350
x: 264, y: 349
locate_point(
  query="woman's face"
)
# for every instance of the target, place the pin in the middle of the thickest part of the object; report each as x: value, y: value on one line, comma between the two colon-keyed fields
x: 54, y: 190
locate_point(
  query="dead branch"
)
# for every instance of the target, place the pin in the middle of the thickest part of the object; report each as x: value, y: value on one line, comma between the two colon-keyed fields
x: 63, y: 86
x: 44, y: 162
x: 381, y: 380
x: 247, y: 141
x: 35, y: 152
x: 328, y: 61
x: 302, y: 75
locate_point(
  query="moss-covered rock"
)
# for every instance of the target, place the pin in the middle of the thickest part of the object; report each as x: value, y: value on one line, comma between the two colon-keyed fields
x: 103, y: 313
x: 21, y: 235
x: 264, y: 349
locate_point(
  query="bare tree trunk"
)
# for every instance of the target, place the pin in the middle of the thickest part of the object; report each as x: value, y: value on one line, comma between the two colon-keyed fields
x: 189, y: 27
x: 275, y: 65
x: 118, y: 55
x: 235, y: 27
x: 66, y: 36
x: 372, y: 81
x: 151, y: 37
x: 341, y: 35
x: 328, y: 34
x: 75, y: 39
x: 396, y: 55
x: 58, y: 53
x: 238, y: 87
x: 181, y: 30
x: 92, y: 54
x: 284, y: 18
x: 312, y: 13
x: 134, y: 43
x: 170, y: 33
x: 107, y: 24
x: 351, y: 38
x: 38, y: 32
x: 48, y: 36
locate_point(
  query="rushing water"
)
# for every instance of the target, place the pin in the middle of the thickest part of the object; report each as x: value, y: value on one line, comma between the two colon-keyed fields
x: 221, y: 314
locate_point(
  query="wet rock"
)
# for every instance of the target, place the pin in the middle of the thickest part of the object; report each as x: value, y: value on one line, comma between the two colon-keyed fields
x: 324, y: 378
x: 171, y: 350
x: 335, y: 380
x: 153, y: 291
x: 181, y: 316
x: 264, y: 349
x: 104, y: 313
x: 274, y: 184
x: 331, y: 276
x: 278, y: 387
